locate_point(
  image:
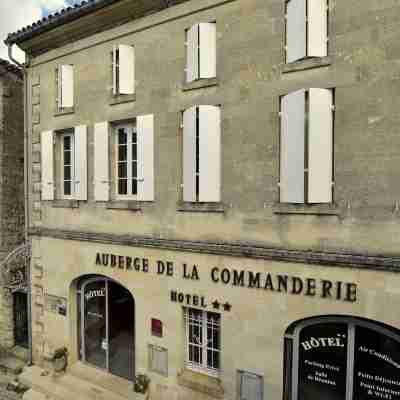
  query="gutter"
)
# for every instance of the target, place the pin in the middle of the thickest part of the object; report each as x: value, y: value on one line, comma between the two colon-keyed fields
x: 26, y: 194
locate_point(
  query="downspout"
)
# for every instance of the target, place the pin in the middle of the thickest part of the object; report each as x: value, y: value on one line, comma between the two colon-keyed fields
x: 26, y: 193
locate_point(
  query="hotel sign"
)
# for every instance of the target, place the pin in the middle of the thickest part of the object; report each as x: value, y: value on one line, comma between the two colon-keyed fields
x: 241, y: 278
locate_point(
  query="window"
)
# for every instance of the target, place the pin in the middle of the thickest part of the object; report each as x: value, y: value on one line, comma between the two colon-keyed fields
x: 306, y: 29
x: 69, y: 177
x: 202, y: 154
x: 203, y: 334
x: 306, y: 146
x: 65, y: 87
x: 250, y: 386
x: 134, y: 159
x: 68, y: 164
x: 123, y: 70
x: 201, y: 52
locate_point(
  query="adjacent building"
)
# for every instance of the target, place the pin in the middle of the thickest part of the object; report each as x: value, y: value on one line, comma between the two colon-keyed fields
x: 214, y: 197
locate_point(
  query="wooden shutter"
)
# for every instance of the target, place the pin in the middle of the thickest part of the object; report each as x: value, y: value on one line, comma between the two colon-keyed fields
x: 47, y: 165
x: 296, y: 28
x: 320, y: 147
x: 126, y: 69
x: 209, y: 154
x: 80, y: 140
x: 250, y: 386
x: 317, y: 28
x: 192, y: 54
x: 101, y: 162
x: 189, y: 154
x: 208, y: 50
x: 145, y: 137
x: 67, y: 85
x: 292, y: 147
x: 114, y: 69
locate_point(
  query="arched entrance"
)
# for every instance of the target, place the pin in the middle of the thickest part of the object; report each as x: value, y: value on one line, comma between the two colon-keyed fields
x: 341, y: 358
x: 106, y: 323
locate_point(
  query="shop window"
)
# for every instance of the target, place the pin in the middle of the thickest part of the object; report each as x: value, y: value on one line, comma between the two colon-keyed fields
x: 203, y: 341
x: 306, y: 29
x: 201, y: 52
x: 250, y: 386
x: 341, y: 358
x: 123, y: 70
x: 306, y: 146
x: 132, y: 151
x: 65, y: 88
x: 158, y: 360
x: 67, y: 177
x: 202, y: 154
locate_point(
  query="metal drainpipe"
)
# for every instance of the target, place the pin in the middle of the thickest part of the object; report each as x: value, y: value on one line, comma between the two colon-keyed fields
x: 26, y: 193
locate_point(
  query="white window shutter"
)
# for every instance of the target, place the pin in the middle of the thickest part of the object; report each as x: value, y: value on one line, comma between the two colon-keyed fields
x: 208, y: 50
x: 251, y: 387
x: 101, y: 162
x: 67, y: 85
x: 209, y: 154
x: 192, y: 54
x: 292, y: 147
x: 296, y: 46
x: 320, y: 148
x: 145, y: 136
x: 317, y: 28
x: 114, y: 69
x: 126, y: 69
x: 47, y: 165
x: 80, y: 140
x: 189, y: 154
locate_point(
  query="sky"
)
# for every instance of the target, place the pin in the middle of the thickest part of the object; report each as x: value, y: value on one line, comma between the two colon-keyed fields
x: 15, y: 14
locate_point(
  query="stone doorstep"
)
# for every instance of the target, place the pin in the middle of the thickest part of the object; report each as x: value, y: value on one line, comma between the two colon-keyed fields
x: 11, y: 365
x: 68, y: 386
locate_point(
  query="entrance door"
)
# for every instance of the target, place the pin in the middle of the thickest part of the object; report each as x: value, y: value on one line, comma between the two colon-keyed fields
x: 20, y: 319
x: 108, y: 327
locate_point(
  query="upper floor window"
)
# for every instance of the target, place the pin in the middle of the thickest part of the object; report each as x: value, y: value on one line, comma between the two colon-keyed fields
x: 306, y: 146
x: 67, y: 164
x: 201, y: 52
x: 203, y: 344
x: 202, y: 154
x: 123, y: 69
x: 306, y: 29
x: 132, y: 156
x: 65, y: 87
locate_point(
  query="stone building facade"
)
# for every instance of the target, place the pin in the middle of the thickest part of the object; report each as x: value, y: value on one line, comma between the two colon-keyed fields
x: 12, y: 182
x: 214, y: 197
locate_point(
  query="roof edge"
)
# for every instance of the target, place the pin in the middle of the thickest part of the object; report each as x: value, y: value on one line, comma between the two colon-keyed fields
x: 11, y: 68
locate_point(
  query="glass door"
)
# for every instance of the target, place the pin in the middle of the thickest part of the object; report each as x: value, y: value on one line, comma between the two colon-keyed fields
x: 94, y: 327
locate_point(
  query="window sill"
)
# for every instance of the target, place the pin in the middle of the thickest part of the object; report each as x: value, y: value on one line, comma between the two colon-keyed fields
x: 65, y: 111
x: 307, y: 63
x: 201, y: 207
x: 121, y: 98
x: 306, y: 209
x: 131, y: 205
x: 201, y: 383
x: 65, y: 203
x: 200, y: 83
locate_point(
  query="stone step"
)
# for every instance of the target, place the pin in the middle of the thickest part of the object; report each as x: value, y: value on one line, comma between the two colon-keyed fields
x: 33, y: 395
x: 68, y: 387
x: 11, y: 365
x: 21, y: 353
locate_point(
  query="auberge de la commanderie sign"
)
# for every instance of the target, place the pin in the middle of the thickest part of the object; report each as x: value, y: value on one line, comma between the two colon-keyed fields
x: 241, y: 278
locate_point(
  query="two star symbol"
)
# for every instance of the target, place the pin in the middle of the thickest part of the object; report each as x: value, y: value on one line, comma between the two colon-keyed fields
x: 226, y: 306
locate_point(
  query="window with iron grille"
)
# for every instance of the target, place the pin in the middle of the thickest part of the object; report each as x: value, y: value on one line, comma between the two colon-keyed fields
x: 203, y: 340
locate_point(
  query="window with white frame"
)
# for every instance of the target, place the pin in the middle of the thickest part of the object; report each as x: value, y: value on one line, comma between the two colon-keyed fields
x: 123, y: 70
x: 202, y: 154
x: 306, y: 146
x: 306, y: 29
x: 134, y: 159
x: 67, y: 164
x: 201, y: 51
x: 250, y: 386
x: 203, y: 340
x: 69, y: 178
x: 65, y: 87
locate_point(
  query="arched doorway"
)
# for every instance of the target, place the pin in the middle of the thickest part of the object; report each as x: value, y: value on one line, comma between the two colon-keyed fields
x: 106, y: 324
x: 341, y: 358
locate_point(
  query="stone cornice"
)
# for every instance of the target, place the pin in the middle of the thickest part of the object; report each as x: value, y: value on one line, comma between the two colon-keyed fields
x: 235, y: 249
